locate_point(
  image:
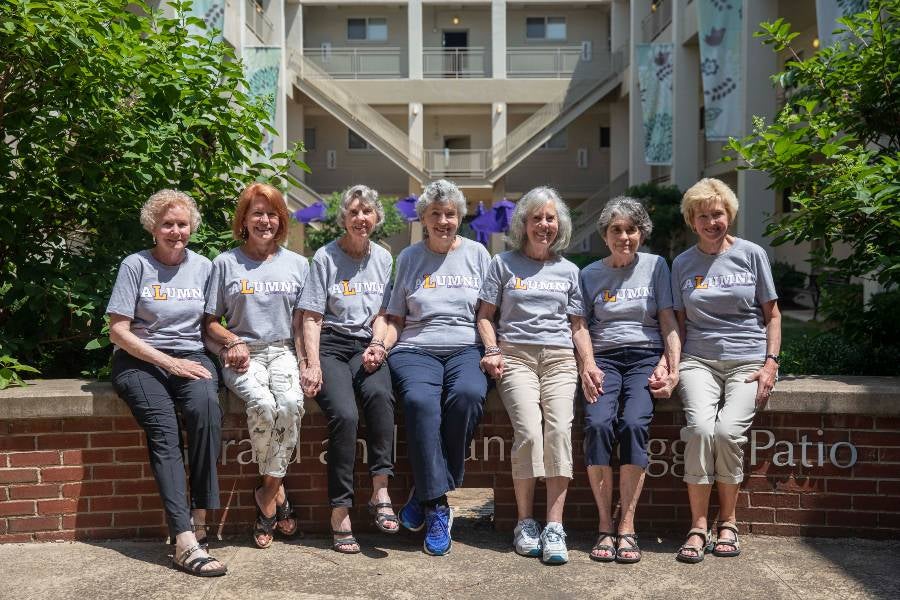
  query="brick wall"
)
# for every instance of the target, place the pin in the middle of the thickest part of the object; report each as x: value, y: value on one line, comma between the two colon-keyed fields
x: 88, y: 478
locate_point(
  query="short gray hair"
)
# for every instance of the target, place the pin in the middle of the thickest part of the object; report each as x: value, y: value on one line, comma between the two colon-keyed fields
x: 366, y: 196
x: 530, y: 202
x: 625, y: 207
x: 442, y: 192
x: 162, y: 200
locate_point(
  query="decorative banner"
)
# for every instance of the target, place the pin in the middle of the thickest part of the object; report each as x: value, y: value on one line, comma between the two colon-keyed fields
x: 212, y: 12
x: 719, y: 29
x: 829, y: 11
x: 262, y: 66
x: 655, y: 82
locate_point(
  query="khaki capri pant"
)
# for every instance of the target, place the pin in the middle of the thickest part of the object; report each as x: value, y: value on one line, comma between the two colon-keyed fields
x: 719, y: 408
x: 538, y: 390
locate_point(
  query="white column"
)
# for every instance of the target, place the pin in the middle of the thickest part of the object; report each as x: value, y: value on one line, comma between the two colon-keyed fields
x: 498, y: 39
x: 414, y: 28
x: 293, y: 18
x: 416, y: 129
x: 619, y: 151
x: 296, y: 126
x: 498, y: 128
x: 759, y: 62
x: 277, y: 16
x: 638, y: 169
x: 685, y: 113
x: 618, y: 24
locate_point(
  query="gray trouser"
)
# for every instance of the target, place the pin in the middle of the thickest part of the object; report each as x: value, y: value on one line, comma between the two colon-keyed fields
x: 719, y: 408
x: 270, y: 389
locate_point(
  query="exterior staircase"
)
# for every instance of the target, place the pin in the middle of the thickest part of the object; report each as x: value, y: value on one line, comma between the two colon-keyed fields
x: 585, y: 224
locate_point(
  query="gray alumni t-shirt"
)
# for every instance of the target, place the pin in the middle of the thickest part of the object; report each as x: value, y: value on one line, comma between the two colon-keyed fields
x: 164, y: 303
x: 722, y: 297
x: 349, y: 293
x: 623, y: 304
x: 437, y: 294
x: 257, y: 298
x: 534, y: 297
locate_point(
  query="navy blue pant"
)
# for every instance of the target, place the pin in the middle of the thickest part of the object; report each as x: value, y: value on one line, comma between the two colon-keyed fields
x: 623, y: 412
x: 344, y: 382
x: 443, y: 400
x: 152, y: 394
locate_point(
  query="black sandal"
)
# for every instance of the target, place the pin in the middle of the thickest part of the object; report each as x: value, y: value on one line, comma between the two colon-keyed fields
x: 734, y: 544
x: 195, y: 567
x: 631, y: 540
x: 382, y: 518
x: 284, y: 512
x: 264, y: 526
x: 607, y: 547
x: 688, y: 558
x: 203, y: 543
x: 347, y: 541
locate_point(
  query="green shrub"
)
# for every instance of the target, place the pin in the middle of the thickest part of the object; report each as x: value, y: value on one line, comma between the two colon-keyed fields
x: 787, y: 278
x: 331, y: 228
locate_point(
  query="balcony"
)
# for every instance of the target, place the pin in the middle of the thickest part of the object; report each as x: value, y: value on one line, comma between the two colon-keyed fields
x: 544, y: 62
x: 357, y: 63
x: 257, y: 21
x: 659, y: 18
x: 453, y: 63
x: 457, y: 163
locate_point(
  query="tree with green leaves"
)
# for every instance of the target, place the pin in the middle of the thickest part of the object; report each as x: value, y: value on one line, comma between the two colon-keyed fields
x: 835, y: 144
x: 102, y: 103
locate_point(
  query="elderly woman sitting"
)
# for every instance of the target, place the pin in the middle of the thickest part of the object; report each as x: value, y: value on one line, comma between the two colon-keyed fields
x: 540, y: 311
x: 435, y: 362
x: 635, y: 339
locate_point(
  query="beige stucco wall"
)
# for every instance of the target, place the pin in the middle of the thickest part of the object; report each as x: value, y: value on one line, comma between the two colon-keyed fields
x: 439, y: 124
x: 588, y: 23
x: 476, y: 20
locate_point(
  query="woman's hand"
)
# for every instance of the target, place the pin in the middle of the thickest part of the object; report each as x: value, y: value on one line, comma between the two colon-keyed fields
x: 189, y: 369
x: 373, y: 357
x: 662, y: 382
x: 492, y: 365
x: 236, y: 358
x: 765, y: 379
x: 591, y: 381
x: 310, y: 378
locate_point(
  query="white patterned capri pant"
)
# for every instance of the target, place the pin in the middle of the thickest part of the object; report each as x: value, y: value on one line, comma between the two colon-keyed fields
x: 270, y: 389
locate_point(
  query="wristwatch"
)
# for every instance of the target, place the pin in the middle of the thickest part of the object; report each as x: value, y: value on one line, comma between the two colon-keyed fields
x: 773, y: 357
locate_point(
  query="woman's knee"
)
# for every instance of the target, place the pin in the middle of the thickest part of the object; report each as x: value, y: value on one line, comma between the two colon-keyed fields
x: 703, y: 433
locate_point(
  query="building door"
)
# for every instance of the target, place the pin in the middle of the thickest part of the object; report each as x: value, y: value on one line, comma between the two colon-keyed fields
x: 456, y: 44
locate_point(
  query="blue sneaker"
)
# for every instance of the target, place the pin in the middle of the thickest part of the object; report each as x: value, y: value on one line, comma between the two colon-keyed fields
x: 553, y: 544
x: 412, y: 515
x: 437, y: 537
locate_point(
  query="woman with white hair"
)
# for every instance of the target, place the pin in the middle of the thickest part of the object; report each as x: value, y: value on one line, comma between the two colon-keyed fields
x: 155, y: 315
x: 529, y: 351
x: 728, y: 317
x: 635, y: 342
x: 434, y: 358
x: 344, y: 327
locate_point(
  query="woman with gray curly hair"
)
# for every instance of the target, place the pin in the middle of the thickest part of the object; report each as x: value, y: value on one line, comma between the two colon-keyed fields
x: 636, y: 347
x: 541, y: 320
x: 155, y: 315
x: 344, y: 327
x: 435, y: 357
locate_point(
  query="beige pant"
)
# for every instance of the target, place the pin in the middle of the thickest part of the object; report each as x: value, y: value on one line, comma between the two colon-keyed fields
x: 538, y: 385
x: 719, y: 408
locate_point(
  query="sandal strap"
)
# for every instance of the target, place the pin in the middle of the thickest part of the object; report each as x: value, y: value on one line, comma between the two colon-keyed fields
x: 631, y: 540
x: 701, y: 533
x: 339, y: 532
x: 729, y: 526
x: 284, y: 510
x: 381, y: 505
x: 198, y: 563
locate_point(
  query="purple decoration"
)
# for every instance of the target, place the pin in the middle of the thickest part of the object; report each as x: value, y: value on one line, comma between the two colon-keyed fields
x: 313, y: 212
x: 495, y: 220
x: 481, y: 234
x: 504, y: 210
x: 407, y: 208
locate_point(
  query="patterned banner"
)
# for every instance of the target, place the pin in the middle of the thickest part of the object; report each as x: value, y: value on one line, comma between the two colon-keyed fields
x: 719, y: 30
x: 262, y: 66
x: 829, y: 11
x: 212, y: 12
x: 655, y: 82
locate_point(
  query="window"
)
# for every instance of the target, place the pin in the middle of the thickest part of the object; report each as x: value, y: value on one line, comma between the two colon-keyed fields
x: 604, y: 137
x: 372, y: 29
x: 545, y: 28
x: 355, y: 141
x: 309, y: 139
x: 559, y: 141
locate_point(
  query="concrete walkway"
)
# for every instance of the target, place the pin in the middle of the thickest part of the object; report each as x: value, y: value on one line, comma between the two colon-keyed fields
x: 481, y: 565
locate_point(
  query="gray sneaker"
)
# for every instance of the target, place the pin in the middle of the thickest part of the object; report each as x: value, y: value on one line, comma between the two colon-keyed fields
x: 553, y: 541
x: 527, y: 538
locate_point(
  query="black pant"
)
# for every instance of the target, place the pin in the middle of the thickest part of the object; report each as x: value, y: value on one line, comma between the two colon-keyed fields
x: 152, y: 394
x: 343, y: 380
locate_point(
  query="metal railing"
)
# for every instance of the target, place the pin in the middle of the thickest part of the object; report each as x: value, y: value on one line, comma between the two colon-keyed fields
x: 585, y: 224
x: 657, y: 20
x: 605, y: 66
x: 457, y: 163
x: 357, y: 115
x: 453, y: 63
x: 546, y: 62
x: 258, y: 22
x: 357, y: 63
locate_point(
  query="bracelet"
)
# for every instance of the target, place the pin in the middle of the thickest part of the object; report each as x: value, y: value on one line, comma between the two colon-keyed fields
x: 773, y: 357
x: 235, y: 342
x: 492, y: 350
x: 379, y: 343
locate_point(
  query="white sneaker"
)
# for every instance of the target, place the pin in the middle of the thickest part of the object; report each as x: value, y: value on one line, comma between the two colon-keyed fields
x: 553, y: 541
x: 527, y: 538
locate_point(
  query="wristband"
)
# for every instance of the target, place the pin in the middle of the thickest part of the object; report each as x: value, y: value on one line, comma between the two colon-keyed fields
x: 379, y: 343
x: 773, y: 357
x: 492, y: 350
